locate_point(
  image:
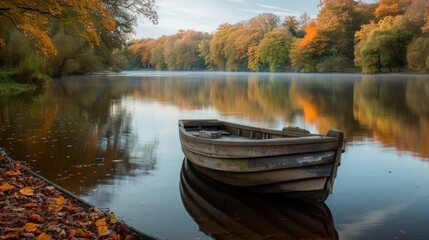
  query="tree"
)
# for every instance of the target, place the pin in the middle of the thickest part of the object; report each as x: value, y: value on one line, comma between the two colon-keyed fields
x: 274, y: 49
x: 157, y: 53
x: 418, y: 54
x: 391, y: 8
x: 217, y: 57
x: 328, y: 43
x: 204, y: 51
x: 387, y: 43
x: 367, y: 55
x: 89, y: 19
x: 306, y: 52
x: 181, y: 50
x: 425, y: 28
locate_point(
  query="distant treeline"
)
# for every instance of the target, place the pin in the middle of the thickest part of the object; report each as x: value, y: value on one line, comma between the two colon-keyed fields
x: 377, y: 37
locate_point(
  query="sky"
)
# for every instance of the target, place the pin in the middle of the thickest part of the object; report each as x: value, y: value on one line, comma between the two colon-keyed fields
x: 207, y: 15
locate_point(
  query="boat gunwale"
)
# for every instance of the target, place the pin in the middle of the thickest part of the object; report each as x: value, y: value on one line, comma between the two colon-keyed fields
x: 305, y: 138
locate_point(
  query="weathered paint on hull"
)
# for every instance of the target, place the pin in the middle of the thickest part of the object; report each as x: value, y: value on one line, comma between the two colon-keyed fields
x: 303, y: 166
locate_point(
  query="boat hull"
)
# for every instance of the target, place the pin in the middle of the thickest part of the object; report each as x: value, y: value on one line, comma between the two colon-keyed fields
x: 301, y: 165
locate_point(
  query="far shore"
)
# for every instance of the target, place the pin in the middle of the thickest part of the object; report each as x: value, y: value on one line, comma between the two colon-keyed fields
x: 9, y: 86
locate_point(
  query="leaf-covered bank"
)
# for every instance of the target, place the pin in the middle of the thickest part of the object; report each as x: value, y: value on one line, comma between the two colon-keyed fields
x: 34, y: 209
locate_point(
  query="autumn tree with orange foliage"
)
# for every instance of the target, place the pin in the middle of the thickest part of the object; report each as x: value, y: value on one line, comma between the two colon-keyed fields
x: 85, y: 17
x: 328, y: 44
x: 32, y: 19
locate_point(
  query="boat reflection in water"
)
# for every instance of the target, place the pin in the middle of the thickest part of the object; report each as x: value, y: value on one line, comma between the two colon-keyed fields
x: 225, y: 212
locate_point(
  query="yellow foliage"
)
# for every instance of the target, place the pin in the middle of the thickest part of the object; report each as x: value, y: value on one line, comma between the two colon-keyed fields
x: 102, y: 227
x: 32, y: 19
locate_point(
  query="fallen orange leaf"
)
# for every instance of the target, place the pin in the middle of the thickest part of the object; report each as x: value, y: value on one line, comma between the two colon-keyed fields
x: 11, y: 173
x: 30, y: 227
x: 12, y: 235
x: 101, y: 227
x: 5, y: 187
x: 31, y: 204
x: 27, y: 191
x: 60, y: 201
x: 36, y: 218
x: 54, y: 207
x: 44, y: 236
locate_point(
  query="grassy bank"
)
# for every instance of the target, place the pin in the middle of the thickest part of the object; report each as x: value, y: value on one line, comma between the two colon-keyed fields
x: 9, y: 83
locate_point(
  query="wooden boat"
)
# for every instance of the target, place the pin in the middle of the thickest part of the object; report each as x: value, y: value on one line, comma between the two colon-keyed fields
x: 223, y: 212
x: 291, y: 161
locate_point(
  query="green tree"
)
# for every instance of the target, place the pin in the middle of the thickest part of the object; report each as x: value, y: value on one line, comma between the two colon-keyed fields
x: 157, y: 53
x: 387, y: 43
x: 418, y: 54
x: 274, y: 49
x: 232, y: 44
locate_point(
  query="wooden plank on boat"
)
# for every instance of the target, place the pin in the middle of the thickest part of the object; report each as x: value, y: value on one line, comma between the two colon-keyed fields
x: 260, y: 164
x: 267, y: 177
x: 245, y: 149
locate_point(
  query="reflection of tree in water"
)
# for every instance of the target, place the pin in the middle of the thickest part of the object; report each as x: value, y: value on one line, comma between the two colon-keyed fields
x: 392, y: 111
x: 325, y: 102
x: 76, y: 134
x: 146, y: 155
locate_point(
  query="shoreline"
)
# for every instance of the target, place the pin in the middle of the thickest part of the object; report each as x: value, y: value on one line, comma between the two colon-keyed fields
x: 36, y: 208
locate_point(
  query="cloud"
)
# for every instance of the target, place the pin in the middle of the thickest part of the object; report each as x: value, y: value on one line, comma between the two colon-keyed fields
x: 259, y: 11
x: 368, y: 221
x: 277, y: 8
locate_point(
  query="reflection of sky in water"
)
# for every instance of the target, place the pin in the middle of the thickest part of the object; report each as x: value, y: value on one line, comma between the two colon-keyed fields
x: 378, y: 193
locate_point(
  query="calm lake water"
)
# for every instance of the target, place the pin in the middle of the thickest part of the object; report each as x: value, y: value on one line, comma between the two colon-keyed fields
x: 113, y: 140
